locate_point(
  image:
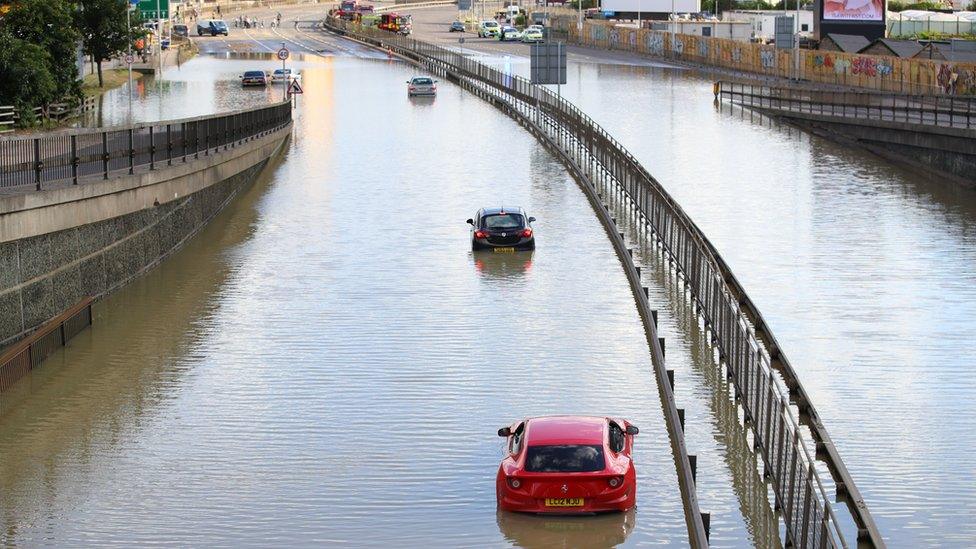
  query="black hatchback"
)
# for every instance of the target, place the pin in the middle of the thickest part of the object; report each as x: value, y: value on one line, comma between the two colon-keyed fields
x: 502, y: 230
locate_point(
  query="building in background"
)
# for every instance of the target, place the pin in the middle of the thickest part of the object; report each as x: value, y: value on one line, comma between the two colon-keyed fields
x: 762, y: 23
x: 648, y: 9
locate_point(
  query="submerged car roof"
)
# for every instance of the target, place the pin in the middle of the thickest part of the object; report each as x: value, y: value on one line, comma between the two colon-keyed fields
x: 506, y: 209
x: 565, y: 430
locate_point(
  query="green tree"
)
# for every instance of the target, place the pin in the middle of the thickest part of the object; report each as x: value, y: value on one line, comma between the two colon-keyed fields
x: 47, y: 24
x: 25, y: 76
x: 103, y: 28
x: 971, y: 6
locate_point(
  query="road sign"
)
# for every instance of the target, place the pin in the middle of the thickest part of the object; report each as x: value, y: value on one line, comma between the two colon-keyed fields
x: 295, y: 88
x: 548, y: 63
x: 283, y: 54
x: 148, y: 9
x: 129, y: 59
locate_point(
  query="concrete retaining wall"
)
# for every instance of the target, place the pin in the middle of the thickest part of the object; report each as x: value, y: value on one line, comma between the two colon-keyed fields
x: 946, y: 153
x: 59, y: 245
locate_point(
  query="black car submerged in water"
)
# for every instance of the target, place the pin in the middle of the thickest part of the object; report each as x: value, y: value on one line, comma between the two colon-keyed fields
x: 502, y: 230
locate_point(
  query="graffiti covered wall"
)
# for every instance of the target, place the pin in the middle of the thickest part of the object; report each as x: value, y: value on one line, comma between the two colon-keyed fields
x: 873, y: 72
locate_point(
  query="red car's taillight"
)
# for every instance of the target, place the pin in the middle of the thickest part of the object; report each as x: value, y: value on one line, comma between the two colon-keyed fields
x: 615, y: 481
x: 514, y: 482
x: 480, y: 234
x: 527, y: 233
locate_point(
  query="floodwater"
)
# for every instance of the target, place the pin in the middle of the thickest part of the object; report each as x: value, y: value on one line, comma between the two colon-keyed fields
x: 328, y: 362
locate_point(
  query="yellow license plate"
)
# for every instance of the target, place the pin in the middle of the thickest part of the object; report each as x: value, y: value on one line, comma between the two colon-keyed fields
x: 504, y: 250
x: 564, y: 502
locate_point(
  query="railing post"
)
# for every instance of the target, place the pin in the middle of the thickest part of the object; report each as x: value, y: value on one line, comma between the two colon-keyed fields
x: 183, y: 139
x: 132, y: 153
x: 74, y: 159
x: 38, y: 165
x: 152, y: 148
x: 169, y: 144
x: 105, y: 154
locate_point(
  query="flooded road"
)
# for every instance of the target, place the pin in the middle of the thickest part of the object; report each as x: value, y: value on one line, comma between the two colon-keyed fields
x: 328, y: 362
x: 864, y: 270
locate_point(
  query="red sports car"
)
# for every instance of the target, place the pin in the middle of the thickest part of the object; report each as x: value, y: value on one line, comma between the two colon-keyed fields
x: 568, y: 465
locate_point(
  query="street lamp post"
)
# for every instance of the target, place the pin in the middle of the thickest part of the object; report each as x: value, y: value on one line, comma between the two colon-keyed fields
x: 128, y: 58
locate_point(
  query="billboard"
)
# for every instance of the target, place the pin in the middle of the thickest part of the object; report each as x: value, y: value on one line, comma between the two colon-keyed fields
x: 854, y: 10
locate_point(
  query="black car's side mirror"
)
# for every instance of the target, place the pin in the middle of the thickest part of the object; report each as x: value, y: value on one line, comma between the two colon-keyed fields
x: 505, y: 432
x: 531, y: 219
x: 470, y: 221
x: 632, y: 430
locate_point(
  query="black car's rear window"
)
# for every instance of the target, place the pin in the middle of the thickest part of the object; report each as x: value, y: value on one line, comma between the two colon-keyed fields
x: 503, y: 221
x: 568, y: 458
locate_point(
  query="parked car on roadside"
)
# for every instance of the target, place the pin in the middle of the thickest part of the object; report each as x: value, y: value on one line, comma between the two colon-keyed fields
x: 509, y: 34
x: 254, y: 78
x: 488, y: 29
x: 532, y: 35
x: 181, y: 31
x: 457, y: 26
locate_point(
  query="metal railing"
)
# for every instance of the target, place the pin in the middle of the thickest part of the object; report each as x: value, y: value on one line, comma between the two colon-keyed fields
x: 946, y: 111
x: 27, y: 354
x: 765, y: 382
x: 97, y: 153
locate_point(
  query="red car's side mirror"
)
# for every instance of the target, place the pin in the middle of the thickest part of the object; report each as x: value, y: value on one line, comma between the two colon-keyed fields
x: 505, y: 432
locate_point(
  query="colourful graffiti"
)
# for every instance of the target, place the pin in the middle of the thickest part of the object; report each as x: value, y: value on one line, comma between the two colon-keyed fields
x: 614, y: 37
x: 655, y: 44
x: 679, y: 46
x: 947, y: 78
x: 966, y: 85
x: 702, y: 48
x: 632, y: 39
x: 767, y: 58
x: 864, y: 65
x: 823, y: 61
x: 736, y: 55
x: 841, y: 66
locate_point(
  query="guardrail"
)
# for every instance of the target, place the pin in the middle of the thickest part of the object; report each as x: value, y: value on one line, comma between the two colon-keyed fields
x: 73, y: 155
x: 765, y: 382
x: 27, y: 354
x: 930, y: 110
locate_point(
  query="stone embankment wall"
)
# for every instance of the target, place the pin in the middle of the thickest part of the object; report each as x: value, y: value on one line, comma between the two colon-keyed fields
x: 59, y: 245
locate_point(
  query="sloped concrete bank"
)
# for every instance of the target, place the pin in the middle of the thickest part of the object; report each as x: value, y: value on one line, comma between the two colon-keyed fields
x: 60, y: 245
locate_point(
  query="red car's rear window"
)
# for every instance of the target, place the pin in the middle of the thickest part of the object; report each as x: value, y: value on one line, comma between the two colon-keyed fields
x: 565, y: 458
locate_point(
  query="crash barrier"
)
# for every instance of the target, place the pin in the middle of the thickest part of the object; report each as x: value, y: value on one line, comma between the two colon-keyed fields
x: 874, y: 72
x: 74, y: 155
x: 930, y: 110
x: 765, y: 382
x: 28, y: 354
